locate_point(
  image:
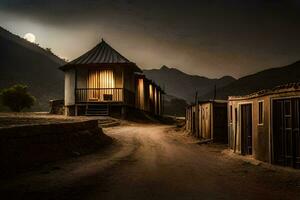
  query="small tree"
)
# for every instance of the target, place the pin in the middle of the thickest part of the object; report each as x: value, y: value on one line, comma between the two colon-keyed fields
x: 17, y: 98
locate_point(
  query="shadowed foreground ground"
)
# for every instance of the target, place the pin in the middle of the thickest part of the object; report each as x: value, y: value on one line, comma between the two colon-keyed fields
x: 153, y: 162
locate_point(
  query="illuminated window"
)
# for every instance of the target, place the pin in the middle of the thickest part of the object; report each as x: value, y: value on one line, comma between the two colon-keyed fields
x: 141, y: 103
x: 150, y: 92
x: 101, y: 79
x: 158, y: 94
x: 101, y: 84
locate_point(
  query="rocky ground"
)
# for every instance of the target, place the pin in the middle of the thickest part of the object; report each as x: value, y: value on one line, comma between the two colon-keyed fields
x: 154, y: 162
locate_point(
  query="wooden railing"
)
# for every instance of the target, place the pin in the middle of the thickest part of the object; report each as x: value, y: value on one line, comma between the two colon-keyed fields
x: 121, y: 95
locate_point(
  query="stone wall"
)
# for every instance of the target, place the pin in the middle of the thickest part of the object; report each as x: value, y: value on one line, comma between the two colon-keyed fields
x: 29, y: 146
x: 57, y: 107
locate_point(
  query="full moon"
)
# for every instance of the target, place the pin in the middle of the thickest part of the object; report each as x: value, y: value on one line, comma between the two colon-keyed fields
x: 30, y: 37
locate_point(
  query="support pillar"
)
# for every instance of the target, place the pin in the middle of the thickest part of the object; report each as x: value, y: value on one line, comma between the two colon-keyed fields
x: 76, y: 110
x: 123, y: 112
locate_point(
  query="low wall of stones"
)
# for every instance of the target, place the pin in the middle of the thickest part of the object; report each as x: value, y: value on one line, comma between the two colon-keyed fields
x: 57, y: 107
x: 28, y: 146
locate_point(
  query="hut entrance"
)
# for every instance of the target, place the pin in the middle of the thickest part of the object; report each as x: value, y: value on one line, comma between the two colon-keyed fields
x: 286, y: 135
x: 246, y: 129
x: 193, y: 121
x: 101, y: 84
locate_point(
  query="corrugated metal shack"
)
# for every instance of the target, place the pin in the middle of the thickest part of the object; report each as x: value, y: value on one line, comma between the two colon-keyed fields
x: 266, y: 125
x: 208, y: 120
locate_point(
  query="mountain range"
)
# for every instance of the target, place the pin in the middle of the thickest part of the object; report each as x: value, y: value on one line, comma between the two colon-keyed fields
x: 266, y: 79
x: 27, y: 63
x: 184, y: 86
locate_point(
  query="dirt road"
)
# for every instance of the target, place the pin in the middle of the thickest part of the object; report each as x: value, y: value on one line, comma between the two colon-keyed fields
x: 153, y: 162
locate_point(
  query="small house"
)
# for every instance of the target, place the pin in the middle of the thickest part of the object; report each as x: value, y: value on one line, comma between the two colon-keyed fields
x: 266, y: 125
x: 103, y: 82
x: 208, y: 120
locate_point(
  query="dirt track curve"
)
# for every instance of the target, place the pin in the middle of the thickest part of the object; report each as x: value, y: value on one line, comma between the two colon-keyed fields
x: 153, y: 162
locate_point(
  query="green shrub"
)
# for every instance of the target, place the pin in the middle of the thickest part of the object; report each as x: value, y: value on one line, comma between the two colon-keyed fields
x: 17, y: 98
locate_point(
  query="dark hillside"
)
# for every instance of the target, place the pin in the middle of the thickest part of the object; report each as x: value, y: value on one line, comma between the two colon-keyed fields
x: 27, y: 63
x: 262, y: 80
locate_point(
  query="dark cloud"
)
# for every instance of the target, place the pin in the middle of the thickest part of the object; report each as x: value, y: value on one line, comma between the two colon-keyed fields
x: 202, y: 37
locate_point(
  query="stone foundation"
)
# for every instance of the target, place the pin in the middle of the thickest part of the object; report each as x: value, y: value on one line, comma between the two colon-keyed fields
x: 57, y: 107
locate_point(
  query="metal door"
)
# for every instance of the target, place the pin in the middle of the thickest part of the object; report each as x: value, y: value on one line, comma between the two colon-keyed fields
x: 246, y: 128
x: 296, y: 131
x: 286, y: 136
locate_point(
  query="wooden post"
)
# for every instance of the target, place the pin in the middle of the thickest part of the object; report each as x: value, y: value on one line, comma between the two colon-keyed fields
x: 235, y: 128
x: 123, y: 112
x: 76, y: 110
x: 215, y: 92
x: 196, y: 115
x: 75, y: 84
x: 163, y: 100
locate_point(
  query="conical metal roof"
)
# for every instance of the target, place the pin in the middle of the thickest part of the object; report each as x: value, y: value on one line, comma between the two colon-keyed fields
x: 102, y: 53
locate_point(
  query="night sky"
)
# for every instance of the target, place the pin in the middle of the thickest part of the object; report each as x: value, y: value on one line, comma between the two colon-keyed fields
x: 209, y: 38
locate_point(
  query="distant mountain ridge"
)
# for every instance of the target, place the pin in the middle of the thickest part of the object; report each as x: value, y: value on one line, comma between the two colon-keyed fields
x: 266, y: 79
x: 27, y: 63
x: 182, y: 85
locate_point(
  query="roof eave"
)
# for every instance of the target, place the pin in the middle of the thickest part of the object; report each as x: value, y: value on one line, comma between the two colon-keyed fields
x: 70, y: 66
